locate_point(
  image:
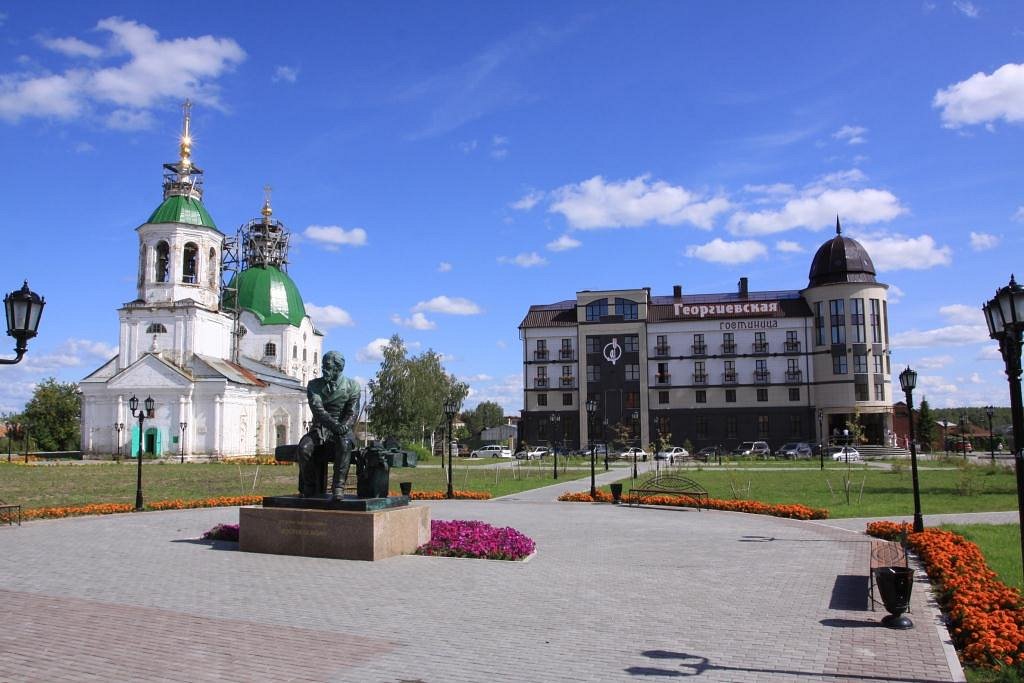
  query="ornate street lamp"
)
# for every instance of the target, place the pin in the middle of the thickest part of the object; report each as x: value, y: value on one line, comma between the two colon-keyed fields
x: 636, y: 420
x: 23, y: 308
x: 8, y: 428
x: 604, y: 435
x: 821, y: 443
x: 908, y: 380
x: 989, y: 410
x: 591, y: 412
x: 556, y: 420
x: 182, y: 426
x: 133, y: 404
x: 1004, y: 314
x: 963, y: 436
x: 118, y: 427
x: 450, y: 408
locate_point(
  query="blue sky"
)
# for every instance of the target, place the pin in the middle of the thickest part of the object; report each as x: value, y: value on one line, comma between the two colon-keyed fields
x: 445, y: 165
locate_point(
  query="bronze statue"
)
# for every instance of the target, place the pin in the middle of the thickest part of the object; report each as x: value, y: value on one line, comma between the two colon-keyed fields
x: 334, y: 402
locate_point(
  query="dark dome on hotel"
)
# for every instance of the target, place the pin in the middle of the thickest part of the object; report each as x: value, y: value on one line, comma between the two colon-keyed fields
x: 841, y: 259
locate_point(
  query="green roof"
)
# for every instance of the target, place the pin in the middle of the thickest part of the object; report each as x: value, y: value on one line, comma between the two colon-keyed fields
x: 180, y: 209
x: 270, y: 294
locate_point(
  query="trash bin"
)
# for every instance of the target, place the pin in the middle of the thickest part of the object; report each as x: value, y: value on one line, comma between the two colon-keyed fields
x: 895, y: 585
x: 616, y: 492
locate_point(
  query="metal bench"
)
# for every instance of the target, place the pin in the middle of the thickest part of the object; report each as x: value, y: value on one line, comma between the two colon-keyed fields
x: 667, y: 485
x: 883, y: 554
x: 9, y: 512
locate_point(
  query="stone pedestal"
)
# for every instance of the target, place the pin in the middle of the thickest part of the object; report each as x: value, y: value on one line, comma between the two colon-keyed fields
x: 338, y: 534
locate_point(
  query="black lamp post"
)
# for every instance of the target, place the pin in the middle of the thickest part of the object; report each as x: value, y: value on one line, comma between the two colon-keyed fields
x: 1004, y: 314
x: 636, y: 420
x: 821, y: 442
x: 989, y: 410
x: 945, y: 440
x: 908, y: 380
x: 591, y: 412
x: 8, y: 427
x: 556, y: 420
x: 963, y: 434
x: 604, y: 435
x: 450, y: 408
x: 118, y: 427
x: 23, y: 308
x: 181, y: 444
x: 133, y: 404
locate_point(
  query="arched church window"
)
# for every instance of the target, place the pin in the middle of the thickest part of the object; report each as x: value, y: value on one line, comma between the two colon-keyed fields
x: 156, y: 328
x: 214, y: 268
x: 190, y: 264
x: 295, y: 352
x: 270, y: 350
x: 314, y: 359
x: 163, y: 261
x: 303, y: 355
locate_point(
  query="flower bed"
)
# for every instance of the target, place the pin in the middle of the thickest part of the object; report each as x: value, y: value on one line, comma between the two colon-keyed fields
x: 112, y: 508
x: 460, y: 538
x: 791, y: 511
x: 986, y: 616
x: 442, y: 495
x: 222, y: 532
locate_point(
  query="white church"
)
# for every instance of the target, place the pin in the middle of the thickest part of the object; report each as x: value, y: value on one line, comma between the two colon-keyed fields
x: 218, y: 336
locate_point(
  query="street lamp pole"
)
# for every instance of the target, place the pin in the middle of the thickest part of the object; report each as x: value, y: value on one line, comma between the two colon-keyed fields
x: 963, y: 435
x: 23, y: 308
x: 636, y: 418
x: 591, y: 411
x: 1004, y: 315
x: 821, y: 443
x: 908, y: 380
x: 989, y: 410
x: 118, y: 427
x: 450, y: 408
x: 133, y: 404
x: 556, y: 420
x: 604, y: 434
x: 8, y: 426
x: 182, y: 426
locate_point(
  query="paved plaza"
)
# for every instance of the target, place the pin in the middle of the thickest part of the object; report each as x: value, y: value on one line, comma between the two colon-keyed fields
x: 613, y: 594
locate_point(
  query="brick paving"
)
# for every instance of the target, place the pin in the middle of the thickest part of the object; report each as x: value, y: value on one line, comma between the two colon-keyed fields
x: 613, y: 594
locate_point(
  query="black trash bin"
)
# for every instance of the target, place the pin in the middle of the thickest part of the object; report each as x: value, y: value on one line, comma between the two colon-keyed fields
x: 616, y: 492
x: 895, y: 585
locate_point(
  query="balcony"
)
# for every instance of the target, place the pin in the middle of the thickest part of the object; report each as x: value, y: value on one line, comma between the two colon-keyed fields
x: 728, y: 378
x: 540, y: 354
x: 760, y: 347
x: 792, y: 347
x: 540, y: 382
x: 729, y: 349
x: 700, y: 378
x: 794, y: 376
x: 699, y: 349
x: 664, y: 378
x: 762, y: 377
x: 662, y: 350
x: 566, y: 354
x: 567, y: 381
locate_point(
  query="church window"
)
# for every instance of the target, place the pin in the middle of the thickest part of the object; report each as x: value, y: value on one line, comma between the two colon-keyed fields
x: 314, y: 359
x: 190, y: 264
x: 242, y: 331
x: 295, y: 352
x: 156, y: 328
x: 213, y: 268
x: 163, y: 260
x: 303, y: 355
x: 270, y: 350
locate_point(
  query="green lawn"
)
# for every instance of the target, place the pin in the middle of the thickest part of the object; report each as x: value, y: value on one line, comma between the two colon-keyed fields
x: 1000, y: 543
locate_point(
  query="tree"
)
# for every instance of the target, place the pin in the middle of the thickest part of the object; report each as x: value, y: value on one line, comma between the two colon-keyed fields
x: 387, y: 413
x: 856, y: 429
x: 924, y: 425
x: 53, y: 416
x: 487, y: 414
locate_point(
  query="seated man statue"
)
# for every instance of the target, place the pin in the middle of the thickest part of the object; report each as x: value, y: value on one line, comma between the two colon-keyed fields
x: 334, y: 402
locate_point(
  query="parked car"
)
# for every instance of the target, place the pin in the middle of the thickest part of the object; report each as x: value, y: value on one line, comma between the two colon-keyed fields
x: 628, y: 454
x: 758, y: 449
x: 795, y: 450
x: 493, y: 450
x: 709, y: 452
x: 844, y: 453
x: 535, y: 453
x: 672, y: 454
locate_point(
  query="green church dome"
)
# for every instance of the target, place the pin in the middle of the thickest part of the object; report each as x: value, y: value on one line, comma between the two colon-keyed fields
x: 182, y: 209
x: 270, y: 294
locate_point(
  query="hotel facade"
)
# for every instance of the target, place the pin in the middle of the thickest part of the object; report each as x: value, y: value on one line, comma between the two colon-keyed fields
x: 714, y: 369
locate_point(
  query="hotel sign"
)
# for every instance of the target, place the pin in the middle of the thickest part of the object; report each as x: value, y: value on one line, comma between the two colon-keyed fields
x: 745, y: 310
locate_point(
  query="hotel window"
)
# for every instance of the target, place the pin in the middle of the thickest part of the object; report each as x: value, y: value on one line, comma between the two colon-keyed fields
x: 700, y: 375
x: 631, y: 400
x: 542, y: 373
x: 730, y: 427
x: 760, y: 370
x: 728, y: 342
x: 701, y: 396
x: 629, y: 310
x: 592, y: 345
x: 762, y: 426
x: 819, y: 324
x: 762, y: 394
x: 839, y: 364
x: 879, y: 391
x: 661, y: 345
x: 663, y: 397
x: 566, y: 399
x: 885, y: 320
x: 631, y: 344
x: 699, y: 348
x: 837, y: 315
x: 860, y: 363
x: 860, y: 392
x: 760, y: 343
x: 597, y: 310
x: 792, y: 366
x: 857, y: 320
x: 566, y: 371
x: 542, y: 400
x: 729, y: 376
x: 796, y: 427
x: 878, y: 364
x: 794, y: 393
x: 663, y: 377
x: 702, y: 427
x: 876, y: 322
x: 632, y: 372
x: 593, y: 373
x: 542, y: 350
x: 566, y: 352
x: 730, y: 395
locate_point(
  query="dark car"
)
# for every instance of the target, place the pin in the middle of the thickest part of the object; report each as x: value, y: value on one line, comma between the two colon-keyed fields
x: 709, y: 452
x: 795, y: 450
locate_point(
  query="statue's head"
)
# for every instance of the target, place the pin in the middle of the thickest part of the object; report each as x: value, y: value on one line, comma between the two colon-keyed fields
x: 333, y: 365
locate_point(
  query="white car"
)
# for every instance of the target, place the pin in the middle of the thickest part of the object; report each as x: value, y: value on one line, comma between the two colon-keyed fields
x: 492, y: 451
x: 532, y: 454
x: 844, y: 454
x: 629, y: 453
x: 672, y: 454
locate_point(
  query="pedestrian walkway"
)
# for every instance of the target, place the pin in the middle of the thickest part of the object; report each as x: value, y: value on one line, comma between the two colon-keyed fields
x: 614, y: 593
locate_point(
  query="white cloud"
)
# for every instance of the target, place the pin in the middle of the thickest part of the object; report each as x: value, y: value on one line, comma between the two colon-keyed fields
x: 952, y: 335
x: 506, y: 392
x: 468, y: 146
x: 72, y: 47
x: 853, y: 135
x: 374, y: 351
x: 527, y: 201
x: 325, y: 317
x: 524, y: 260
x: 151, y: 71
x: 129, y: 119
x: 933, y: 362
x: 774, y: 190
x: 984, y: 98
x: 1018, y: 215
x: 787, y: 247
x: 935, y: 384
x: 501, y: 344
x: 817, y: 208
x: 84, y: 148
x: 961, y: 314
x: 444, y: 267
x: 477, y: 378
x: 895, y: 294
x: 966, y: 8
x: 991, y: 352
x: 720, y: 251
x: 980, y: 241
x: 418, y: 321
x: 499, y: 147
x: 448, y: 305
x: 563, y: 243
x: 332, y: 236
x: 71, y: 353
x: 595, y: 203
x: 896, y: 252
x: 285, y: 73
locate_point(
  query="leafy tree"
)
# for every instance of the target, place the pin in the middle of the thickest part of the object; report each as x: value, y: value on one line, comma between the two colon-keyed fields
x: 388, y: 413
x: 924, y: 425
x: 53, y: 416
x: 856, y: 429
x: 487, y: 414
